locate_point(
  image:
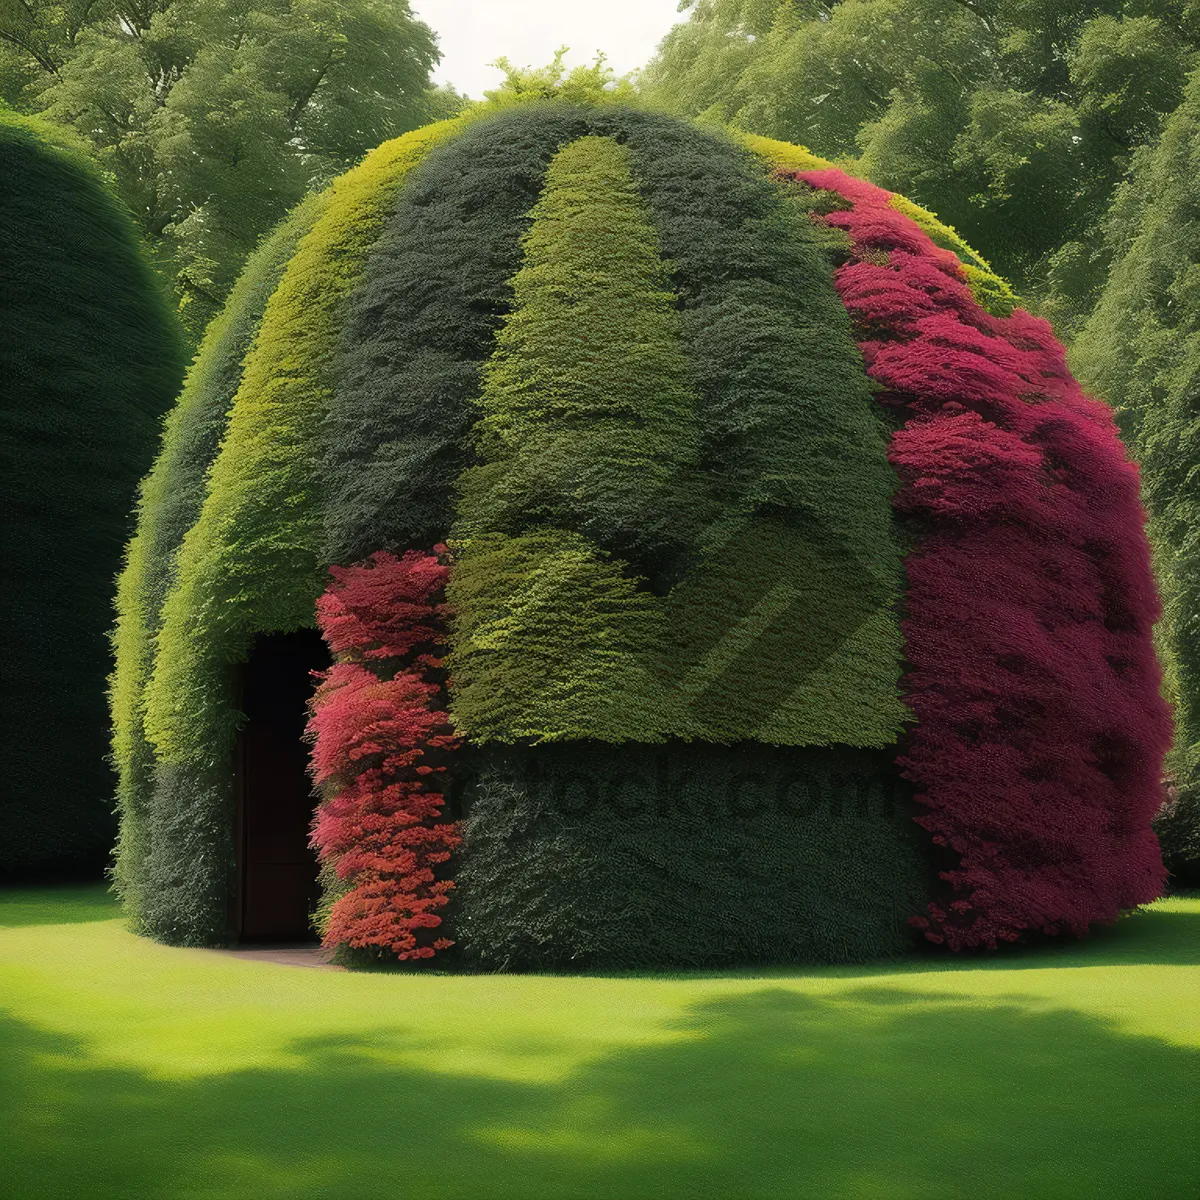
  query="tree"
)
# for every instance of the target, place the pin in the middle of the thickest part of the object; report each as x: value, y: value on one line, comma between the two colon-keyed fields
x: 1141, y: 351
x: 215, y: 116
x: 591, y: 83
x: 1014, y: 120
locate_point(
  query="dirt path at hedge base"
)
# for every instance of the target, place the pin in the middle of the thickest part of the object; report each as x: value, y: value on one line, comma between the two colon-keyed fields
x: 282, y: 956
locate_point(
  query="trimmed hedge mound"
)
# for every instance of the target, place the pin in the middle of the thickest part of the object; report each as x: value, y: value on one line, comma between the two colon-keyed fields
x: 91, y: 360
x: 718, y: 443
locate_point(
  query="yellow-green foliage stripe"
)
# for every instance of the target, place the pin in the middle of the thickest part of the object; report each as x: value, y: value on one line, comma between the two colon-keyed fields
x: 587, y: 438
x: 992, y: 292
x: 251, y: 562
x: 170, y: 499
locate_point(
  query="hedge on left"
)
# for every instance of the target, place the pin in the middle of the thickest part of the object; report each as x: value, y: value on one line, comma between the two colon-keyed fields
x: 90, y: 361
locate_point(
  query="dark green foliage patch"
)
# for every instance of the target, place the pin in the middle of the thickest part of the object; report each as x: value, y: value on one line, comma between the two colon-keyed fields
x: 594, y: 857
x: 794, y: 445
x: 186, y: 875
x: 420, y: 325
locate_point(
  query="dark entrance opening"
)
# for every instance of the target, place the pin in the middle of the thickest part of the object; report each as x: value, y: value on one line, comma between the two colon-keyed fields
x: 277, y: 872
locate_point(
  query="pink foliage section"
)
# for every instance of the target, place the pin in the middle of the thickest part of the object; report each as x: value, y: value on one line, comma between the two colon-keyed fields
x: 385, y: 607
x: 381, y: 743
x: 1040, y: 728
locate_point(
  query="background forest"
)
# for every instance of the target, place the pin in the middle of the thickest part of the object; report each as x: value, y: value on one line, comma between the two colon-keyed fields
x: 1060, y: 137
x: 1015, y: 120
x: 214, y: 117
x: 1026, y: 124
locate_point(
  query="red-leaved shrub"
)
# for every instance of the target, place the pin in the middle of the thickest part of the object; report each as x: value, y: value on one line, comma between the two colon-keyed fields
x: 381, y: 744
x: 1040, y: 728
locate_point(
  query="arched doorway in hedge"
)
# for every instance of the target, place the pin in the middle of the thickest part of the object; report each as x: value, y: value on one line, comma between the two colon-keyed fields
x: 277, y: 871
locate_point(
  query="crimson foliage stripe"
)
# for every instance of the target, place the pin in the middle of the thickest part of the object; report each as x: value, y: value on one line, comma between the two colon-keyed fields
x: 1030, y: 602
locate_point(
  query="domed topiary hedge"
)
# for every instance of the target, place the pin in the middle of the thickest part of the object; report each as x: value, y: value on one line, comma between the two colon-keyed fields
x: 715, y: 564
x: 89, y: 362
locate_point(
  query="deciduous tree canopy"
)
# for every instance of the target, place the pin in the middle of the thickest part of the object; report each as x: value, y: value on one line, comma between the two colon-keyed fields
x: 1012, y: 119
x: 215, y: 116
x: 1141, y: 351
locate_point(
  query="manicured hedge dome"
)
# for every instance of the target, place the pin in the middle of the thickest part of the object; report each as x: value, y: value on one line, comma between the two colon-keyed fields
x: 90, y: 360
x: 716, y: 567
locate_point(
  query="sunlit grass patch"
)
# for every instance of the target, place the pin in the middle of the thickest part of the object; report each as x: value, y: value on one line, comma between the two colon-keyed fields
x: 133, y: 1069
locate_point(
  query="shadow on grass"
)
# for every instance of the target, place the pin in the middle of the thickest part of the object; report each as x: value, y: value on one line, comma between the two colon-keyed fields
x: 872, y: 1095
x: 1151, y: 937
x: 57, y: 904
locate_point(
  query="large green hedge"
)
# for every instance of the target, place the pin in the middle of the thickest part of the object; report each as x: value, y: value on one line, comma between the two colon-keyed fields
x: 90, y: 361
x: 607, y: 358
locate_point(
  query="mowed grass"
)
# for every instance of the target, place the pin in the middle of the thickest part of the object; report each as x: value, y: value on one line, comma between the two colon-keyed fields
x: 129, y: 1069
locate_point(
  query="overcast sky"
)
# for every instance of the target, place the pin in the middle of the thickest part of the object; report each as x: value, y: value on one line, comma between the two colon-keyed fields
x: 475, y: 32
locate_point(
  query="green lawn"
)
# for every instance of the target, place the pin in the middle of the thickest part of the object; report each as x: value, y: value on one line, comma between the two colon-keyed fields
x: 134, y: 1070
